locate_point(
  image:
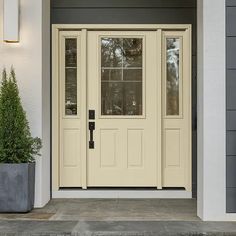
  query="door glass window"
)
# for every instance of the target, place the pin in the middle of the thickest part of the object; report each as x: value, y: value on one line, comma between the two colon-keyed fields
x: 172, y: 76
x: 71, y: 76
x: 121, y: 76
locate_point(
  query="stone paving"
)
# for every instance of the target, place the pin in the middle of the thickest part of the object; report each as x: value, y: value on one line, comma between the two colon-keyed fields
x: 114, y: 217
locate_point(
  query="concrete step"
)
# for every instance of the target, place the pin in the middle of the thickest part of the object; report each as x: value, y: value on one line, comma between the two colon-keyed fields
x: 116, y: 228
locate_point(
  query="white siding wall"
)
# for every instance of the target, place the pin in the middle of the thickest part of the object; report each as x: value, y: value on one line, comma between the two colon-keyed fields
x: 32, y: 65
x: 211, y: 111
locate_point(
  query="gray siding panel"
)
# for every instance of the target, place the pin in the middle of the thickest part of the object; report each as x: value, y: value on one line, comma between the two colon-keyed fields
x: 231, y: 52
x: 231, y: 200
x: 124, y: 16
x: 230, y: 21
x: 231, y: 120
x: 231, y: 3
x: 122, y: 3
x: 231, y: 88
x: 231, y: 106
x: 231, y: 143
x: 231, y: 173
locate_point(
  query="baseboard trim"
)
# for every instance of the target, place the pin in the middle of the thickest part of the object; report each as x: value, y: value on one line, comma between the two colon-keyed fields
x: 122, y: 194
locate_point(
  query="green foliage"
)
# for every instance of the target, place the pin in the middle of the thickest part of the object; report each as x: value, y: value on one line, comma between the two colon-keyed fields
x: 16, y: 143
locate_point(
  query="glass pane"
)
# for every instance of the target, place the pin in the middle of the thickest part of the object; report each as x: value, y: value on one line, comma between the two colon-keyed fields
x: 121, y: 98
x: 172, y: 83
x: 121, y: 76
x: 111, y: 74
x: 71, y: 76
x: 132, y: 52
x: 112, y: 98
x: 133, y: 74
x: 133, y: 98
x: 71, y: 92
x: 71, y: 52
x: 112, y: 51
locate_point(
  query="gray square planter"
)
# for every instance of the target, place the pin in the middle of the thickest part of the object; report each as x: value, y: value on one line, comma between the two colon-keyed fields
x: 17, y: 183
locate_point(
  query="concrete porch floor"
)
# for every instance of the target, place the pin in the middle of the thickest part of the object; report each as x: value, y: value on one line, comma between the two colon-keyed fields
x: 113, y: 210
x: 113, y: 217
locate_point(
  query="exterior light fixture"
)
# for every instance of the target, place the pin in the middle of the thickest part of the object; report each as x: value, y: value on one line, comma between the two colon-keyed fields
x: 11, y: 21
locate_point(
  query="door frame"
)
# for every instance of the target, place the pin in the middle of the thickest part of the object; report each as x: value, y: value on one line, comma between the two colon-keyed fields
x: 56, y: 28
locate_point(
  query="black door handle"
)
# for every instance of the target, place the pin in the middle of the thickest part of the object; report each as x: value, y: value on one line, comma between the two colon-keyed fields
x: 91, y: 129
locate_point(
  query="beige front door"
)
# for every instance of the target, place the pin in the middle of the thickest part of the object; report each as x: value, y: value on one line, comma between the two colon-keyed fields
x: 122, y: 90
x: 121, y: 107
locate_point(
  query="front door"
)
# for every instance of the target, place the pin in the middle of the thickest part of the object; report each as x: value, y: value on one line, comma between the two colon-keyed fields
x: 121, y: 107
x: 122, y: 91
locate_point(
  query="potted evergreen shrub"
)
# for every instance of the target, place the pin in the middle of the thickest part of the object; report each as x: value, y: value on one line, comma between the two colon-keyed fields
x: 17, y: 150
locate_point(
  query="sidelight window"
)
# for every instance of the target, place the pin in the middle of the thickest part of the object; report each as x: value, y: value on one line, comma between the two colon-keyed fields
x: 173, y: 76
x: 70, y: 76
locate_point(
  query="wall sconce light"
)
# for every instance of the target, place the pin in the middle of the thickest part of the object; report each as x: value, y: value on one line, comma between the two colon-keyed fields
x: 11, y: 21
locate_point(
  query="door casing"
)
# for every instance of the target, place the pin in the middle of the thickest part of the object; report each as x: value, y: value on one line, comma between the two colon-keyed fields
x: 55, y: 88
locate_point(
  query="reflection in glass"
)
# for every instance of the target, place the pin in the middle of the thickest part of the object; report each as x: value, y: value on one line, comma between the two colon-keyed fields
x: 121, y: 76
x: 132, y: 74
x: 132, y: 48
x: 121, y: 98
x: 71, y: 77
x: 172, y: 80
x: 71, y: 52
x: 111, y: 74
x: 112, y: 51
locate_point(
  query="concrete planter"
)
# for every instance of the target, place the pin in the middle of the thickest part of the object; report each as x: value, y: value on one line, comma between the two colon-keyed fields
x: 17, y: 183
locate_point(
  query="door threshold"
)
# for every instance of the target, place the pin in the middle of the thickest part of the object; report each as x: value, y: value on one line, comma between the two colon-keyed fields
x: 92, y: 193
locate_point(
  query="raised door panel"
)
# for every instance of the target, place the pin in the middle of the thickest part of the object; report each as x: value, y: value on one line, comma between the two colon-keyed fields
x: 70, y: 158
x: 173, y: 166
x: 172, y: 138
x: 108, y: 148
x: 135, y: 146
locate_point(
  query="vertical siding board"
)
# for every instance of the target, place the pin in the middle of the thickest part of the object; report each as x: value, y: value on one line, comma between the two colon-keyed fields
x: 230, y: 200
x: 230, y: 21
x: 230, y: 143
x: 231, y: 89
x: 231, y: 3
x: 231, y: 173
x: 230, y: 106
x: 231, y: 120
x: 230, y: 52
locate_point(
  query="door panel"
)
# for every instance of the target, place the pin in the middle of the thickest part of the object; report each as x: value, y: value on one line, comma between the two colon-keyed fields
x: 108, y: 156
x: 172, y: 139
x: 176, y: 110
x: 122, y: 68
x: 70, y: 109
x: 135, y: 148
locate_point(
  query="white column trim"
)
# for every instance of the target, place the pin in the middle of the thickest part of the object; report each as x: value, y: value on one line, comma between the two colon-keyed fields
x: 211, y: 202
